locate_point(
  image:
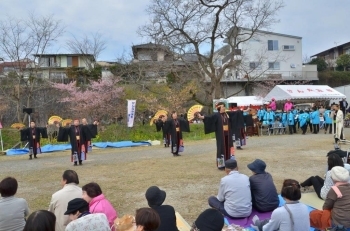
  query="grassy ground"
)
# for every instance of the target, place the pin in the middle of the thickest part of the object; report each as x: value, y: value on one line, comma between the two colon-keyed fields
x: 125, y: 174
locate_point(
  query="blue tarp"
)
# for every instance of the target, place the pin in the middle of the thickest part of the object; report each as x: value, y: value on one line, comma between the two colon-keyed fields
x: 61, y: 147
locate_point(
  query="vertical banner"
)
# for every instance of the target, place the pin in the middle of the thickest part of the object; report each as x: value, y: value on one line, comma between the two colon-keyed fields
x: 131, y: 112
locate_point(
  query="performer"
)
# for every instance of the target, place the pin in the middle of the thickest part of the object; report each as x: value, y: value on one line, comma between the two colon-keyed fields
x: 225, y: 125
x: 32, y: 135
x: 92, y: 128
x: 339, y: 120
x: 78, y: 135
x: 160, y: 125
x: 175, y: 126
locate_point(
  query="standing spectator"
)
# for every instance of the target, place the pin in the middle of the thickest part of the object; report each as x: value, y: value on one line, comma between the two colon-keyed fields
x: 288, y: 105
x: 303, y: 118
x: 234, y: 198
x: 92, y: 193
x: 327, y: 120
x: 343, y: 106
x: 60, y: 199
x: 13, y: 210
x: 315, y: 118
x: 264, y: 192
x: 40, y: 220
x: 273, y: 105
x: 209, y: 220
x: 290, y: 120
x: 261, y: 113
x: 147, y: 219
x: 82, y: 219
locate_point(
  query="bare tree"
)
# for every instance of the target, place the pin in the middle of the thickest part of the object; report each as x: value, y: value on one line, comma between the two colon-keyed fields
x: 92, y: 44
x: 306, y: 59
x: 199, y: 27
x: 20, y: 38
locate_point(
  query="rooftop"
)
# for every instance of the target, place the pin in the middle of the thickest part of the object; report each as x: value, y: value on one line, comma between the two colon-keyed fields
x: 330, y: 49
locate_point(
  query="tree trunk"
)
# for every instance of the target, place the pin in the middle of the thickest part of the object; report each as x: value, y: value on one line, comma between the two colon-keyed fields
x: 217, y: 89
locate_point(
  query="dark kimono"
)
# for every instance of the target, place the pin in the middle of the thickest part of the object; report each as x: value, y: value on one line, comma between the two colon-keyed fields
x: 78, y: 136
x: 225, y: 125
x: 160, y: 125
x: 32, y: 135
x: 175, y: 129
x: 92, y: 129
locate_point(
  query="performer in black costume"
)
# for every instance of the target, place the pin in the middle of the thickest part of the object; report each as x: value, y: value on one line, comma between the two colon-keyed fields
x: 225, y: 125
x: 32, y: 135
x: 175, y: 126
x: 160, y: 125
x: 93, y: 133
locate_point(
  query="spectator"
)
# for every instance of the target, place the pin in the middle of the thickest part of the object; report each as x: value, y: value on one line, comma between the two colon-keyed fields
x: 273, y: 105
x: 234, y: 197
x: 60, y: 199
x: 92, y: 193
x: 41, y: 220
x: 147, y: 219
x: 293, y: 216
x: 82, y: 219
x: 209, y: 220
x: 343, y: 106
x: 13, y: 210
x: 320, y: 185
x: 155, y: 198
x: 288, y: 105
x: 264, y: 192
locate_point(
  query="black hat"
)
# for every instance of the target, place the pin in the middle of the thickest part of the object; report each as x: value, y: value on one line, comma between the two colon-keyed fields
x: 155, y: 196
x: 231, y: 164
x: 258, y: 166
x: 76, y: 204
x: 210, y: 220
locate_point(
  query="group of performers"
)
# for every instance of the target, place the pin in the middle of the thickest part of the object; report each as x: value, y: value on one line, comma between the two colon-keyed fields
x: 79, y: 135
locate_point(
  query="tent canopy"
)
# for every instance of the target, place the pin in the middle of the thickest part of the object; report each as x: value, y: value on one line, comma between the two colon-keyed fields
x: 243, y: 101
x: 302, y: 92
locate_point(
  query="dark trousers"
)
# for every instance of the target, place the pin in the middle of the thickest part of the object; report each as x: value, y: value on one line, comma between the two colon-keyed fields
x: 326, y: 128
x: 315, y: 181
x: 216, y: 204
x: 316, y: 128
x: 303, y: 128
x: 310, y: 125
x: 291, y: 129
x: 294, y: 128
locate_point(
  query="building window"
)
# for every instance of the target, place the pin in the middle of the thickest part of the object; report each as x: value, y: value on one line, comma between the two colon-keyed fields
x: 255, y: 65
x: 272, y: 45
x: 274, y: 65
x: 145, y: 57
x: 288, y: 48
x: 69, y: 61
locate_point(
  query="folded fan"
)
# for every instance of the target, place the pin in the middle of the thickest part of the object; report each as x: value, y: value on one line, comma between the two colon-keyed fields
x: 157, y: 115
x: 193, y: 110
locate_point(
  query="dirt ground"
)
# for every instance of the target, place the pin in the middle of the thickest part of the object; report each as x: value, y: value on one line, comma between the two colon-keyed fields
x: 125, y: 174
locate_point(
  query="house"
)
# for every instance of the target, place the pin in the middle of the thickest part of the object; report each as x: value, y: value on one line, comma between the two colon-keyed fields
x: 54, y: 66
x: 266, y: 55
x: 330, y: 55
x: 152, y: 52
x: 18, y: 67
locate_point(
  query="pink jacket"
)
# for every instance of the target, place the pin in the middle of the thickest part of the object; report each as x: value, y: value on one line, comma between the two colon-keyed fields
x: 273, y: 105
x: 288, y: 106
x: 100, y: 204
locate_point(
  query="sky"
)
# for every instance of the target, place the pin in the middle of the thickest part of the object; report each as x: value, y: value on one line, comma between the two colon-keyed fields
x: 321, y: 23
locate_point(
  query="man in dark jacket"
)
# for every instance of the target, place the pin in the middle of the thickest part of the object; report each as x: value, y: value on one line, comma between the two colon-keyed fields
x: 264, y: 193
x: 155, y: 198
x: 343, y: 106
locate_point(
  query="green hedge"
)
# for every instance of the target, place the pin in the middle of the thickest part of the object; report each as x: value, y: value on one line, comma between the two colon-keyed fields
x: 334, y: 78
x: 117, y: 133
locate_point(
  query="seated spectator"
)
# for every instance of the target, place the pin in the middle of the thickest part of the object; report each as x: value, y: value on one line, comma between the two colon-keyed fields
x: 60, y: 199
x: 41, y: 220
x: 155, y: 198
x: 147, y: 219
x: 320, y: 185
x: 293, y: 216
x: 234, y: 196
x: 209, y: 220
x: 92, y: 193
x: 264, y: 192
x: 82, y: 219
x: 13, y: 210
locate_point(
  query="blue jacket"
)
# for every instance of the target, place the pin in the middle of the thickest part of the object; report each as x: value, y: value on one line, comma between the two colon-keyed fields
x: 303, y: 118
x: 290, y: 117
x: 284, y: 118
x: 269, y: 117
x: 261, y: 114
x: 327, y: 118
x: 315, y: 117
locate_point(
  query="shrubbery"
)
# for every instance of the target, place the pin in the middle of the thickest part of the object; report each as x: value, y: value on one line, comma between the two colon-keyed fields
x: 334, y: 78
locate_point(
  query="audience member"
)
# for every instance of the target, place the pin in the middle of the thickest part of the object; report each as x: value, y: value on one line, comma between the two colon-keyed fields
x: 209, y: 220
x: 155, y: 198
x: 264, y: 192
x: 147, y: 219
x: 82, y: 219
x: 234, y: 196
x: 92, y: 193
x: 320, y: 185
x: 293, y: 216
x: 41, y: 220
x: 60, y: 199
x: 13, y: 210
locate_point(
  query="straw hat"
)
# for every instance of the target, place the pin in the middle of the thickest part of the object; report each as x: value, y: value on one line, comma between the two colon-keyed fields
x: 126, y: 223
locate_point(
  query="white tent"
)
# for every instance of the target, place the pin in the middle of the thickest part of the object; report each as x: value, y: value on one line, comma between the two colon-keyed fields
x: 243, y: 101
x: 344, y: 90
x: 303, y: 92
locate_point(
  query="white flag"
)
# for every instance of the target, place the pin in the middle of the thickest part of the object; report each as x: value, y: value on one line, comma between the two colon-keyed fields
x: 131, y: 112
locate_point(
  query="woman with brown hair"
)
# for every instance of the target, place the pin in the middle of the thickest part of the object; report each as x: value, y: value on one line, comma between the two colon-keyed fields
x: 147, y: 219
